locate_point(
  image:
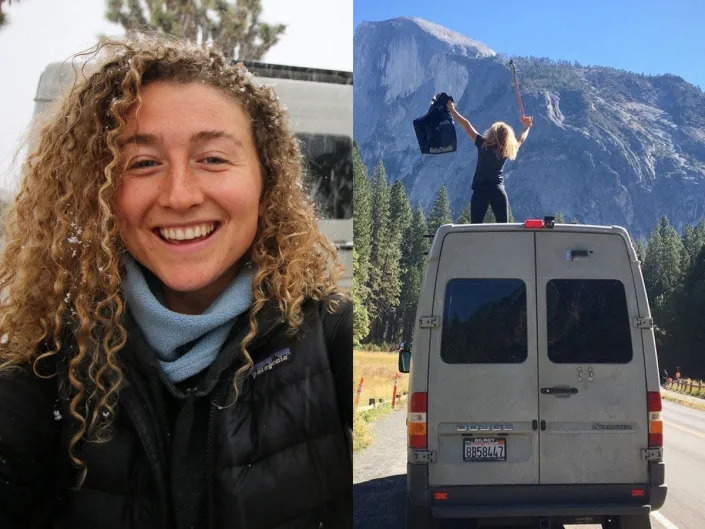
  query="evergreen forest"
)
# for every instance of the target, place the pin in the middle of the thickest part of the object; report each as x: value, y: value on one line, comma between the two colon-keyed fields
x: 392, y: 238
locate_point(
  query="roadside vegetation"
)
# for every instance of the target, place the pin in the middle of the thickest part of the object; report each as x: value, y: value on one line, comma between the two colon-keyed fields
x: 684, y: 392
x: 694, y: 388
x: 378, y: 370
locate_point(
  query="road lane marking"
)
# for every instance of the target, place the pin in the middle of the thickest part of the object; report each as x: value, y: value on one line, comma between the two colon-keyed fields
x: 694, y: 432
x: 660, y: 518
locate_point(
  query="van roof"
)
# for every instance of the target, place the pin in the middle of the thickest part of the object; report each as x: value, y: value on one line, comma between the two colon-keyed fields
x: 59, y: 75
x: 318, y: 101
x: 445, y: 229
x: 299, y: 73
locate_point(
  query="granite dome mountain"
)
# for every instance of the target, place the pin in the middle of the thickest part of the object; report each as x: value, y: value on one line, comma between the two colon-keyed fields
x: 607, y: 147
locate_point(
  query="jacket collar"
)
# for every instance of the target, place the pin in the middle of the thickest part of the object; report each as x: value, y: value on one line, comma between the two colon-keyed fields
x: 139, y: 353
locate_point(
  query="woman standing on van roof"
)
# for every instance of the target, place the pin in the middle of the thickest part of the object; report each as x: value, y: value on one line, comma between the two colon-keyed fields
x: 175, y: 350
x: 494, y: 148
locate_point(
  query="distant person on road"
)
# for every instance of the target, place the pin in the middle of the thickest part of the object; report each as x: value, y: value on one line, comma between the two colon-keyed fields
x: 175, y: 352
x: 497, y: 145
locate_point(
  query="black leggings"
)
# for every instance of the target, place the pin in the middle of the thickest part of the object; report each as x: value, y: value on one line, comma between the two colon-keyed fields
x: 489, y: 196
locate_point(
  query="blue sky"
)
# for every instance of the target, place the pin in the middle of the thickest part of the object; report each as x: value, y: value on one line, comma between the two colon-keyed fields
x: 642, y: 36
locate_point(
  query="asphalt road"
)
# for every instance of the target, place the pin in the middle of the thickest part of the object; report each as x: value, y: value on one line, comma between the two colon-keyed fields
x: 380, y: 473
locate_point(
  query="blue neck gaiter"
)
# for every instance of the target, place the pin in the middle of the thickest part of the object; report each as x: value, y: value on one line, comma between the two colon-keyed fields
x: 168, y: 332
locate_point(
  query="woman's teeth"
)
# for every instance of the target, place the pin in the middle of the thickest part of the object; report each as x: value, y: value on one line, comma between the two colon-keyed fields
x: 185, y: 234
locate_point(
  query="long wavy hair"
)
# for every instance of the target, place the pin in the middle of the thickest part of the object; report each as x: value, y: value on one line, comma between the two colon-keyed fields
x: 501, y: 139
x: 60, y: 271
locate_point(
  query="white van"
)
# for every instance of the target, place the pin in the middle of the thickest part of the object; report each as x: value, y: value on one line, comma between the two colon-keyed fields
x: 319, y: 103
x: 534, y: 381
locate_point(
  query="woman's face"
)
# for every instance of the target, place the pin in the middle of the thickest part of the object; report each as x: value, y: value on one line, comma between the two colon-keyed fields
x: 188, y: 203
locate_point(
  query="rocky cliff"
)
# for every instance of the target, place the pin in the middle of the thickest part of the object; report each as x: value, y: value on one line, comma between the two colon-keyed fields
x: 607, y: 147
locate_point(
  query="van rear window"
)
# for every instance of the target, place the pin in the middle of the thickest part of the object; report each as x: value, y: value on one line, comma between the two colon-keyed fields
x: 484, y: 322
x: 328, y: 166
x: 588, y: 322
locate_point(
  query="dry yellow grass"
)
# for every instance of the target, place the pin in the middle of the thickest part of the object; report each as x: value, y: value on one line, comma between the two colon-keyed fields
x: 695, y: 388
x: 378, y: 370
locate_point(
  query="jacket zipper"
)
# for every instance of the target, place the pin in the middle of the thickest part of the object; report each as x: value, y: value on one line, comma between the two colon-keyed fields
x: 209, y: 466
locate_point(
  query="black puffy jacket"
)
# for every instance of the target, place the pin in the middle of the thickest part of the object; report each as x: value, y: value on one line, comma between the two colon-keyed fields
x: 279, y: 458
x: 435, y: 131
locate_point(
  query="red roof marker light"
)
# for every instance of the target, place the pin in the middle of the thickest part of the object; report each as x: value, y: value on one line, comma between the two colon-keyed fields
x: 533, y: 223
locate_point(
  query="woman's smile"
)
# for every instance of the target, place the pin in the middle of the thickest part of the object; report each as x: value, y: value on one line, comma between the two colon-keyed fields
x: 199, y: 231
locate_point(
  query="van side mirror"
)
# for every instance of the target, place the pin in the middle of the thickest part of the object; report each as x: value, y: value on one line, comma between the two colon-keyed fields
x: 404, y: 357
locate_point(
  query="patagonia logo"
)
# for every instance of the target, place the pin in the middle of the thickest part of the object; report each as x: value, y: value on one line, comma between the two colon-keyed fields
x: 270, y: 362
x: 435, y: 150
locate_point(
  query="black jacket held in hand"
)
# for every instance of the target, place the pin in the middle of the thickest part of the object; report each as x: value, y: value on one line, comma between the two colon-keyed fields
x: 435, y: 131
x: 279, y: 458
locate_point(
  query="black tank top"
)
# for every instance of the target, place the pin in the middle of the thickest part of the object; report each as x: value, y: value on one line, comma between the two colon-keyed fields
x: 489, y: 166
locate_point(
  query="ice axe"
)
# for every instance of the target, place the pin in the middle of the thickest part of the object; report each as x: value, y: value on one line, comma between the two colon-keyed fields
x: 516, y: 88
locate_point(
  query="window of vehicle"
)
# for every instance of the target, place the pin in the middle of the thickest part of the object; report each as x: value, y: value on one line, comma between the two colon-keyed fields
x: 484, y: 322
x: 588, y: 322
x: 328, y: 168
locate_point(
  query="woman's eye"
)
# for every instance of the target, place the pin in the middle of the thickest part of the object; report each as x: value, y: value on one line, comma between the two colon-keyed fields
x: 214, y: 160
x: 142, y: 164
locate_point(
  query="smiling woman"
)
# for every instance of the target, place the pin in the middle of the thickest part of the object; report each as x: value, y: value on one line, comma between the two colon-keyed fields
x: 175, y: 352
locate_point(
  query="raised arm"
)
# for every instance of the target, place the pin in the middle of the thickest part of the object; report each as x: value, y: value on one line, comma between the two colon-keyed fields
x: 527, y: 121
x: 463, y: 122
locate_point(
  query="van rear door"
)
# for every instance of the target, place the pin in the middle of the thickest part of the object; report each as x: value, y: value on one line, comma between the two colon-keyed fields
x: 482, y: 402
x: 592, y: 382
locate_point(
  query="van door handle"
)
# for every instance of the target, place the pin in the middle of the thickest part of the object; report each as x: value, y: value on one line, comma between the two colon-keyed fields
x: 559, y: 390
x: 534, y: 424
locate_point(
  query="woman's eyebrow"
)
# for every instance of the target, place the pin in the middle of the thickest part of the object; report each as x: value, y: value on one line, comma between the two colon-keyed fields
x: 156, y: 139
x: 141, y: 139
x: 206, y: 135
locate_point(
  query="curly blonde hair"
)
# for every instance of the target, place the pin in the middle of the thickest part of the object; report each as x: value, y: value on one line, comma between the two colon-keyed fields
x: 501, y: 139
x: 61, y: 271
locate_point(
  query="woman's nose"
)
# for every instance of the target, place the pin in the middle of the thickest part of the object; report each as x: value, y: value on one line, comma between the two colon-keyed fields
x: 180, y: 188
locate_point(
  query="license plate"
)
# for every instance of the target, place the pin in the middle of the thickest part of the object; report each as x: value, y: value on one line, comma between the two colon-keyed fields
x: 485, y: 449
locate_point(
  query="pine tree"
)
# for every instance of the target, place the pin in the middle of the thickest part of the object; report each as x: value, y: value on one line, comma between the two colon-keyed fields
x: 465, y: 216
x: 663, y: 274
x: 489, y: 217
x: 672, y: 259
x: 400, y: 215
x: 414, y: 250
x: 693, y: 240
x: 361, y: 319
x: 362, y: 225
x: 362, y: 239
x: 379, y: 238
x: 688, y: 336
x: 440, y: 211
x: 233, y: 26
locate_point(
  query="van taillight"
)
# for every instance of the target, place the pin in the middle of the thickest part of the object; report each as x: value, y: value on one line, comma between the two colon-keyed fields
x: 416, y: 423
x: 533, y: 223
x: 655, y: 420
